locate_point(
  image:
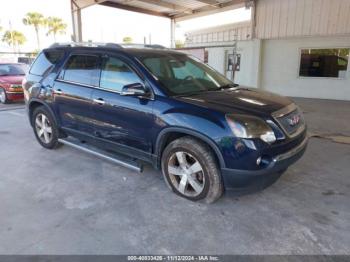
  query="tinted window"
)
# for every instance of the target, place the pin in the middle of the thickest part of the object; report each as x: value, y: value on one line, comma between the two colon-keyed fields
x: 324, y: 62
x: 46, y: 60
x: 116, y: 74
x: 82, y: 69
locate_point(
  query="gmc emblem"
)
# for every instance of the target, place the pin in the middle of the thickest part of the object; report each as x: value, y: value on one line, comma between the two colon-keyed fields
x: 294, y: 120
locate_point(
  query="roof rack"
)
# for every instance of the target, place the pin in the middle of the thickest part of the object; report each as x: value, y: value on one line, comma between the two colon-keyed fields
x: 142, y: 46
x: 112, y: 45
x: 86, y: 44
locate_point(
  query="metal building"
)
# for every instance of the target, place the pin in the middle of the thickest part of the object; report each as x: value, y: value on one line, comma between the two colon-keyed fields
x: 292, y: 47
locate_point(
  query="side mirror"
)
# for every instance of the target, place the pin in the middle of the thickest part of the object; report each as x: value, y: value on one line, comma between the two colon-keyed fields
x: 135, y: 89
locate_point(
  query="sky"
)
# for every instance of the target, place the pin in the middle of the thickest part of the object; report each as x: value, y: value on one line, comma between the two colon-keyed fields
x: 103, y: 24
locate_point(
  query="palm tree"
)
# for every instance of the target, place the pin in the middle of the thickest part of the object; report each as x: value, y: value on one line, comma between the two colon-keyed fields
x: 56, y: 26
x: 37, y: 20
x: 14, y: 38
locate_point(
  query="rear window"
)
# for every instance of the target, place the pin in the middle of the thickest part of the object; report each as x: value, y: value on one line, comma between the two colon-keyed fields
x: 83, y: 69
x: 45, y: 61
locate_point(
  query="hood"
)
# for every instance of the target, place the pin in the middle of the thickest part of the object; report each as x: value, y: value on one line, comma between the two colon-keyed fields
x: 17, y: 80
x: 239, y: 100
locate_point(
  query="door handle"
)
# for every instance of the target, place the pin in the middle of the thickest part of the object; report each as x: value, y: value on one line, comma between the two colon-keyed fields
x: 99, y: 101
x: 58, y: 92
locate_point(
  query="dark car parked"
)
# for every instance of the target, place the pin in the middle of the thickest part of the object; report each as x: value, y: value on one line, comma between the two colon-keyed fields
x: 167, y: 108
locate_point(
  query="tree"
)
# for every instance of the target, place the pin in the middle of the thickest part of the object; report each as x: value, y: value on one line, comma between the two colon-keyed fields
x: 37, y: 20
x: 127, y: 40
x: 14, y: 38
x: 179, y: 44
x: 56, y: 26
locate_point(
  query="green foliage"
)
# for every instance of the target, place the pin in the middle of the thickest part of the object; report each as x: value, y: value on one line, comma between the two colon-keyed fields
x: 55, y: 26
x: 36, y: 20
x: 14, y: 38
x: 179, y: 44
x: 127, y: 40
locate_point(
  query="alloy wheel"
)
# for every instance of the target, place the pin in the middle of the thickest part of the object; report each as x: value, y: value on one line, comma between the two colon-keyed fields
x: 186, y: 174
x: 43, y: 128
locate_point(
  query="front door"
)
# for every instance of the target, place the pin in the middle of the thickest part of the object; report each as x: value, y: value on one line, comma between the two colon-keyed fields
x: 73, y: 92
x: 124, y: 121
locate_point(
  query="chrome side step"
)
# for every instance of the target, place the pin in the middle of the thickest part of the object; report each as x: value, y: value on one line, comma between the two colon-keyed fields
x: 122, y: 161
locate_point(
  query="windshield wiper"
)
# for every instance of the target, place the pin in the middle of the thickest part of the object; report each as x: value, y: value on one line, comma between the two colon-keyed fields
x: 228, y: 86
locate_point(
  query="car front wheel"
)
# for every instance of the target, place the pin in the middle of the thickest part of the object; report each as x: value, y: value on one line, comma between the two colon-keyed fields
x: 191, y: 171
x: 3, y: 97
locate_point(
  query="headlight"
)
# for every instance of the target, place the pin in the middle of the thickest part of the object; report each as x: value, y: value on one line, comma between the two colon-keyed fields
x: 244, y: 126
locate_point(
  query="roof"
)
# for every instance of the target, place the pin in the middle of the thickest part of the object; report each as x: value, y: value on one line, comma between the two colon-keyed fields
x: 135, y: 49
x: 177, y: 9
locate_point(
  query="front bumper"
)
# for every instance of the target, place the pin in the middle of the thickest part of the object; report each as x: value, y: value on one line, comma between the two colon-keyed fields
x: 239, y: 179
x: 14, y: 95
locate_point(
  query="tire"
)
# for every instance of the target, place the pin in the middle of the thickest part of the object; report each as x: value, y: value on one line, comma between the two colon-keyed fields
x: 198, y: 176
x: 47, y: 137
x: 3, y: 97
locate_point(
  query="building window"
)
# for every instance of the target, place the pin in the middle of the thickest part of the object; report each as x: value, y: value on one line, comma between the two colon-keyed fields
x: 324, y: 62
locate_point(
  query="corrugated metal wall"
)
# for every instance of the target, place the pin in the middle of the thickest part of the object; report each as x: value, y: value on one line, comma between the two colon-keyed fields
x: 288, y: 18
x: 219, y: 35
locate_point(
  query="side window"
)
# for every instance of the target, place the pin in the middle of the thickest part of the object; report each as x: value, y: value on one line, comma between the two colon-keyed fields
x: 115, y: 74
x: 82, y: 69
x: 46, y: 60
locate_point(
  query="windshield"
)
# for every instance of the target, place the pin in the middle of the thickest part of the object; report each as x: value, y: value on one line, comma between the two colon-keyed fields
x: 12, y: 69
x: 181, y: 74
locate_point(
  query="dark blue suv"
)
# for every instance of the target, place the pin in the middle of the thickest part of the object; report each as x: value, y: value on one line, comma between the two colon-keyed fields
x: 164, y: 107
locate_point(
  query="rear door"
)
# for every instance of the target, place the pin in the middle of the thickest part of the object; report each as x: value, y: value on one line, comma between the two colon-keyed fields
x: 73, y: 91
x: 124, y: 122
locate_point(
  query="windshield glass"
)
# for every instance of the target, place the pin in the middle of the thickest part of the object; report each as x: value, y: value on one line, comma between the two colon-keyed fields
x: 181, y: 74
x: 12, y: 69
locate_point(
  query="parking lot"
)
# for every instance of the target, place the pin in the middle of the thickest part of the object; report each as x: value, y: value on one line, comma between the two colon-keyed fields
x: 67, y: 202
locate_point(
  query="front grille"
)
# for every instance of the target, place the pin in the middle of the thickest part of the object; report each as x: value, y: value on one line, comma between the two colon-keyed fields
x: 291, y: 120
x: 16, y: 86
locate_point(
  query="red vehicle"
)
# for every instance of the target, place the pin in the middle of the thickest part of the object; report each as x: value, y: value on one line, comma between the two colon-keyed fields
x: 11, y: 76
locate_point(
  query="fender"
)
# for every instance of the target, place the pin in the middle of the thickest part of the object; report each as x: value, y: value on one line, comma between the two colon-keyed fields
x: 161, y: 140
x: 35, y: 100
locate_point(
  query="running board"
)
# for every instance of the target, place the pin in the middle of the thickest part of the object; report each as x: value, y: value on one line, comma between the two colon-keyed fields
x: 122, y: 161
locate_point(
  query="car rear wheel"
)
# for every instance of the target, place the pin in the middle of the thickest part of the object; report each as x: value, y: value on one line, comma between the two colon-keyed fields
x: 45, y: 128
x: 3, y: 97
x: 190, y: 170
